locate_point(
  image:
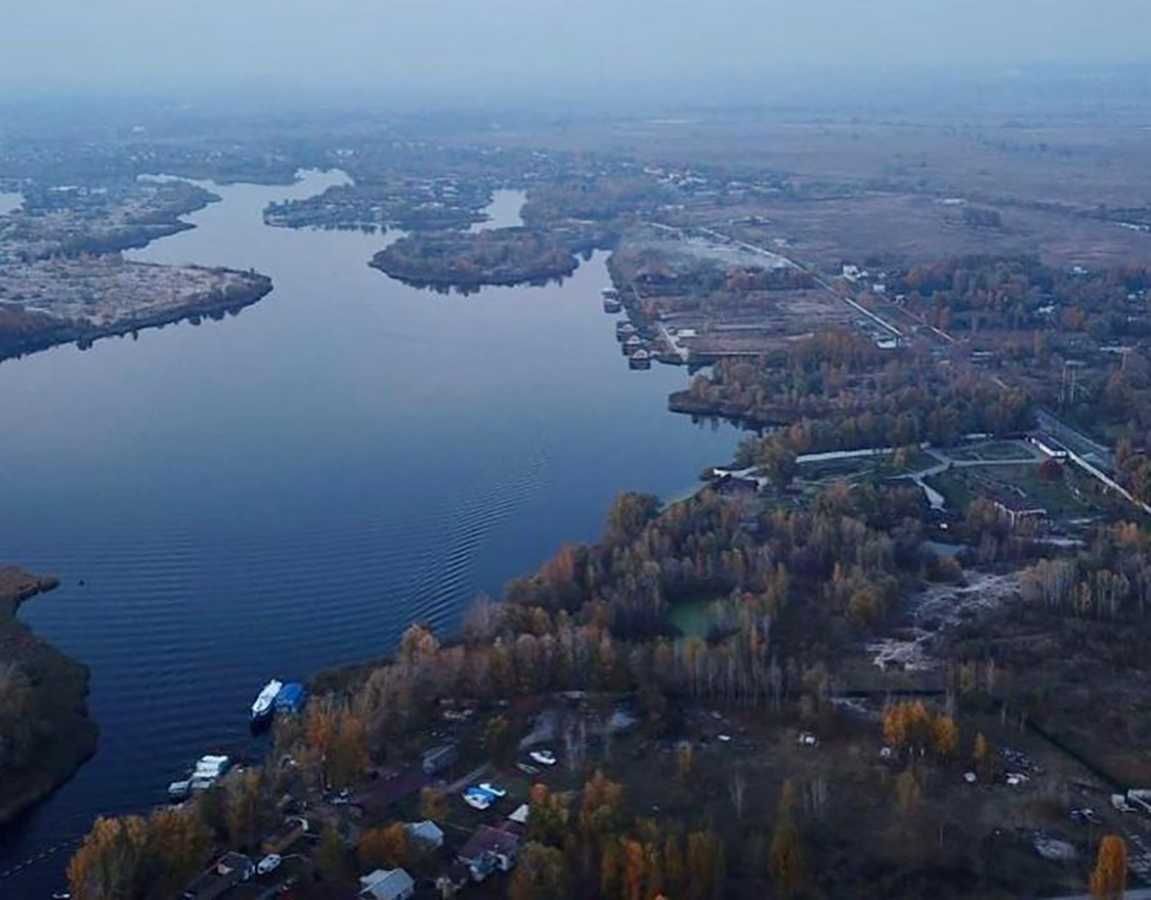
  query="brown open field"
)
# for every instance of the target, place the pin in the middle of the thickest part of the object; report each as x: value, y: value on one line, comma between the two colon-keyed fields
x: 1076, y: 162
x: 906, y: 229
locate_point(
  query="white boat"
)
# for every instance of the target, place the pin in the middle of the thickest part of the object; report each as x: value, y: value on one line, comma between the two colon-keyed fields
x: 266, y: 699
x: 179, y: 790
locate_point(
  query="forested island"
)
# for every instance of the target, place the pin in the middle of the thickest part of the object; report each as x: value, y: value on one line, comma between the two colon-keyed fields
x: 495, y: 256
x: 45, y: 732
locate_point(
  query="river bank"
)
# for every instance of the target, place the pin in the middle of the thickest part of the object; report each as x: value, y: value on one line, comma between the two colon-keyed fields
x: 43, y: 696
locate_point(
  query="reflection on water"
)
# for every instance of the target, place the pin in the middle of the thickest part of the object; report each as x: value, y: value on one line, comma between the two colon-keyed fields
x: 286, y: 489
x: 504, y: 211
x: 10, y: 202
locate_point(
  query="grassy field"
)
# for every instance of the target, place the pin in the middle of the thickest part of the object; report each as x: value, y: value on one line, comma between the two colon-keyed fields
x: 995, y: 450
x: 1060, y: 498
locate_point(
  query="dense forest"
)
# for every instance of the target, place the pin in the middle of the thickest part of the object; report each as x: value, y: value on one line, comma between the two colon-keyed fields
x: 975, y: 294
x: 839, y: 392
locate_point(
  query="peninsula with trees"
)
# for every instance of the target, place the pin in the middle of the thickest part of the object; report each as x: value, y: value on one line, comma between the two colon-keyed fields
x: 45, y: 731
x: 63, y: 278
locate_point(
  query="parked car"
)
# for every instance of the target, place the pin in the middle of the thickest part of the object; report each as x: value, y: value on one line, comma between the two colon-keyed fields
x: 477, y: 799
x: 494, y: 789
x: 543, y: 757
x: 268, y: 864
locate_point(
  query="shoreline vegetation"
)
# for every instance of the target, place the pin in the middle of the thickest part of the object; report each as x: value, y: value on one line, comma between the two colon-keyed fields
x: 47, y: 733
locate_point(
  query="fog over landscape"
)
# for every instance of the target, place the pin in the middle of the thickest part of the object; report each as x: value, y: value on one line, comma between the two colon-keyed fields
x: 462, y: 49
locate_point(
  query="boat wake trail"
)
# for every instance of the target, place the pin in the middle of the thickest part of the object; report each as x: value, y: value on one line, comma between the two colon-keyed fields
x: 447, y: 582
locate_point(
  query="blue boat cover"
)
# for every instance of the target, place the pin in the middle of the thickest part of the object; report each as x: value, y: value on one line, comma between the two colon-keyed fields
x: 291, y: 697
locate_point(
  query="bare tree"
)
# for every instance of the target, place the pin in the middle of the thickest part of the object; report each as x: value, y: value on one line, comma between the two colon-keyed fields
x: 737, y: 788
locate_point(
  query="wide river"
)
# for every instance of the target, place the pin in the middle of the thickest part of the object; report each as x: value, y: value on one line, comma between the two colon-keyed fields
x: 287, y: 489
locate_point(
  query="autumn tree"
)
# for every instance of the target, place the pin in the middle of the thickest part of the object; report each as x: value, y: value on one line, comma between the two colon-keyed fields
x: 331, y: 855
x: 500, y: 740
x: 433, y: 803
x: 706, y: 866
x: 684, y: 760
x: 611, y: 868
x: 786, y: 864
x: 176, y: 847
x: 105, y: 865
x: 981, y: 754
x: 548, y: 816
x: 1109, y: 878
x: 634, y: 869
x: 944, y: 736
x: 245, y: 808
x: 389, y: 847
x: 600, y: 805
x: 336, y: 739
x: 908, y: 793
x: 628, y: 515
x: 674, y: 867
x: 541, y: 874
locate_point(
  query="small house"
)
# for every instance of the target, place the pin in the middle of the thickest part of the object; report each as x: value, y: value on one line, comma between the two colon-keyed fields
x: 489, y: 850
x: 290, y: 831
x: 427, y: 833
x: 736, y: 486
x: 228, y: 871
x: 387, y: 884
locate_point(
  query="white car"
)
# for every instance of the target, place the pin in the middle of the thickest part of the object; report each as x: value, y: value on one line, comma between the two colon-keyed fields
x: 494, y: 789
x: 269, y: 864
x: 543, y: 757
x: 478, y: 799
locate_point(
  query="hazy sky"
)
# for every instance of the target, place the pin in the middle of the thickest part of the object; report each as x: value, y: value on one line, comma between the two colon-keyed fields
x: 401, y: 45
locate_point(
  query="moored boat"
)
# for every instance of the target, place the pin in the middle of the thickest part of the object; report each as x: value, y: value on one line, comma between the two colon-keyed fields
x: 624, y: 330
x: 291, y: 698
x: 264, y: 705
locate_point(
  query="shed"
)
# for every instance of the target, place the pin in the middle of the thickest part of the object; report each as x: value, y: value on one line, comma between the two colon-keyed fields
x: 228, y: 871
x: 291, y: 830
x: 426, y: 832
x: 387, y: 884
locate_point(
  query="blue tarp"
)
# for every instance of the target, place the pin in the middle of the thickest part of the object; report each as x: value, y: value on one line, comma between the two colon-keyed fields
x: 291, y: 697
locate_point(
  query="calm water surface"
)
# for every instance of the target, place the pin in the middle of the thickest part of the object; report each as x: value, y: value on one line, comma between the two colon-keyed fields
x: 287, y: 489
x: 10, y: 202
